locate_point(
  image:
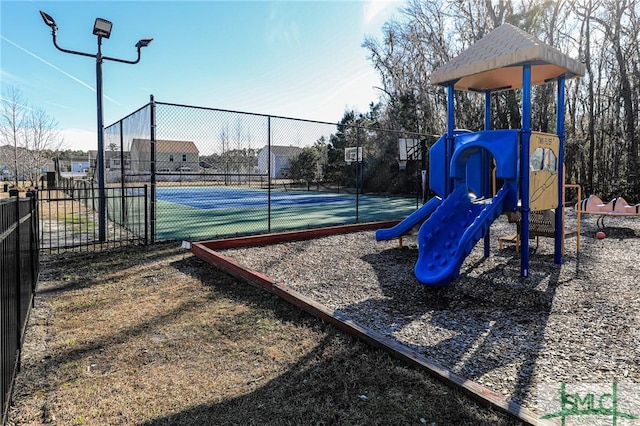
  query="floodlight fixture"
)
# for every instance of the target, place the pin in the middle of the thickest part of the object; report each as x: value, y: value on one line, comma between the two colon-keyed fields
x: 144, y: 42
x: 102, y: 28
x: 49, y: 20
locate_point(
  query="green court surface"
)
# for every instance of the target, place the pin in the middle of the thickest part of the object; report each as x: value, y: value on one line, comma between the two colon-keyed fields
x: 179, y: 221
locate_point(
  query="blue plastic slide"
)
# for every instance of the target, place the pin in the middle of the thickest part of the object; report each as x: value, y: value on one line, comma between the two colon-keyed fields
x: 449, y: 235
x: 410, y: 221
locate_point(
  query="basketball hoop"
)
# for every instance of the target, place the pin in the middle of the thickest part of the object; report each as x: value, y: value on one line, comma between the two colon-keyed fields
x: 352, y: 154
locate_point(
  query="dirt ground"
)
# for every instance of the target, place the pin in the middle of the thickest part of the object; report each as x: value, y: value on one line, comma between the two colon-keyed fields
x: 155, y: 336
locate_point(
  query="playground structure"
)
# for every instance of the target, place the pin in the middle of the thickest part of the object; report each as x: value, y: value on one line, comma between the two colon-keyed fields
x: 528, y: 164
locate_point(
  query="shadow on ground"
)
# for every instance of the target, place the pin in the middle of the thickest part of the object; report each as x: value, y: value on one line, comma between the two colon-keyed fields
x: 488, y: 319
x: 341, y: 381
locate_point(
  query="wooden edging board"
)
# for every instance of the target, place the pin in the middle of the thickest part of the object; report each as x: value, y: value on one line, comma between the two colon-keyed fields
x: 206, y: 250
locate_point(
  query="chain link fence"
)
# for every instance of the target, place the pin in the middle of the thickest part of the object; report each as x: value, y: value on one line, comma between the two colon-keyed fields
x: 216, y: 173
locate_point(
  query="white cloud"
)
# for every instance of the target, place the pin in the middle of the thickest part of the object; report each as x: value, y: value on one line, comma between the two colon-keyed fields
x: 358, y: 88
x: 375, y: 12
x: 10, y: 79
x: 80, y: 139
x: 281, y: 31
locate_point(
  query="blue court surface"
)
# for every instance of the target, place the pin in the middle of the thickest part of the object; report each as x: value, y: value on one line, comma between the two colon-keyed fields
x: 214, y: 198
x: 201, y: 212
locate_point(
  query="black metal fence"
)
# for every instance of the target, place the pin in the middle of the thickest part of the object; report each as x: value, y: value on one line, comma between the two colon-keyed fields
x: 69, y: 216
x: 215, y: 173
x: 19, y: 269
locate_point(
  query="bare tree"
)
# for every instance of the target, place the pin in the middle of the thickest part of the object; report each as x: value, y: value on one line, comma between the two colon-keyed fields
x: 617, y: 17
x: 430, y: 33
x: 29, y: 136
x: 585, y: 10
x: 603, y: 132
x: 12, y: 122
x: 410, y: 49
x: 42, y: 138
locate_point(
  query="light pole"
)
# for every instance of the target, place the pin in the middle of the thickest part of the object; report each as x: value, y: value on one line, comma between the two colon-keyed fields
x: 101, y: 29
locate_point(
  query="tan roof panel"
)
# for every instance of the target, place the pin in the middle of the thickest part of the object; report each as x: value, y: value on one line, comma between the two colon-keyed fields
x: 166, y: 146
x: 495, y: 62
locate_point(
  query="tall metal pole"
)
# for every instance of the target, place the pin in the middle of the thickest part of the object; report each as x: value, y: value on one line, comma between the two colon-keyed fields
x: 357, y: 177
x: 102, y: 193
x: 123, y: 199
x: 99, y: 30
x: 423, y: 168
x: 152, y: 168
x: 486, y: 166
x: 269, y: 174
x: 448, y: 150
x: 559, y: 231
x: 524, y: 170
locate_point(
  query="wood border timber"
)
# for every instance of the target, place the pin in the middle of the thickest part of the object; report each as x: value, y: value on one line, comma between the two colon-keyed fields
x: 207, y: 251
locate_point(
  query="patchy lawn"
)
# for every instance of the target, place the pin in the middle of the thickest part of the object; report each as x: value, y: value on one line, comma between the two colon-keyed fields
x: 155, y: 336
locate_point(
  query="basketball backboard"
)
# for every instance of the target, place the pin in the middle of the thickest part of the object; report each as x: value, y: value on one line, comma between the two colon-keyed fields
x: 352, y: 153
x: 409, y: 149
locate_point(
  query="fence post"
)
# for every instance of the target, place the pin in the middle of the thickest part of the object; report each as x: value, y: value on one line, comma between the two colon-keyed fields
x: 146, y: 216
x: 33, y: 241
x: 357, y: 173
x: 93, y: 197
x: 269, y: 174
x: 18, y: 288
x: 152, y: 158
x: 123, y: 199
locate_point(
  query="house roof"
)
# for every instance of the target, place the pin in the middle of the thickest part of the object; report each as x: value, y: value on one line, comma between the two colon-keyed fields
x: 284, y: 151
x: 496, y: 61
x: 78, y: 160
x: 166, y: 146
x: 116, y: 154
x: 93, y: 154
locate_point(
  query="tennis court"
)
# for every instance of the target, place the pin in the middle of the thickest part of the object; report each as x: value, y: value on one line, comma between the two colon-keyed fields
x: 196, y: 213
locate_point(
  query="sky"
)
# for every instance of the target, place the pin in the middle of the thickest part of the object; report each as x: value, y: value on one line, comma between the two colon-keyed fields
x: 300, y: 59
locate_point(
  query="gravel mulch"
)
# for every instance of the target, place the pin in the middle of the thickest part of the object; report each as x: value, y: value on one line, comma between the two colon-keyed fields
x: 578, y: 322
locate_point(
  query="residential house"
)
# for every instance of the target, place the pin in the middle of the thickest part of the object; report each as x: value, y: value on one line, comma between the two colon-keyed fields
x: 112, y: 159
x: 112, y: 163
x: 175, y: 157
x: 278, y: 159
x: 75, y: 167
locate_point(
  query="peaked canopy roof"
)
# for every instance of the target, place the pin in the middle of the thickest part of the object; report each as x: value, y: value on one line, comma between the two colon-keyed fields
x: 495, y: 62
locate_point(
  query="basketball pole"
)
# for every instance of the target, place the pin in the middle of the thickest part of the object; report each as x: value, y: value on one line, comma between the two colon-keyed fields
x: 423, y: 160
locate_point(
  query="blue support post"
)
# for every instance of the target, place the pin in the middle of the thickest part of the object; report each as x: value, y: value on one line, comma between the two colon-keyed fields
x: 559, y: 231
x: 486, y: 160
x: 487, y: 110
x: 448, y: 153
x: 525, y: 134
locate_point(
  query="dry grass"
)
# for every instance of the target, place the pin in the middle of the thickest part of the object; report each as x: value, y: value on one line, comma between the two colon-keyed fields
x: 57, y: 210
x: 155, y: 336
